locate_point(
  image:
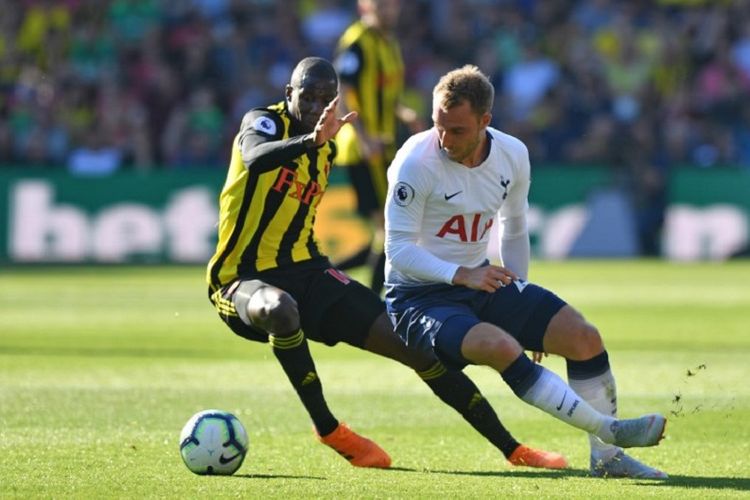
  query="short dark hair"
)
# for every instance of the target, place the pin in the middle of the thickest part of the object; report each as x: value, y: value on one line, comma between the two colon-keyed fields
x: 465, y: 84
x: 313, y: 67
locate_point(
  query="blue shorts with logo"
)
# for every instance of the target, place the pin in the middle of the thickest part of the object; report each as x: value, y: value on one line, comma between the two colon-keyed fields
x: 436, y: 317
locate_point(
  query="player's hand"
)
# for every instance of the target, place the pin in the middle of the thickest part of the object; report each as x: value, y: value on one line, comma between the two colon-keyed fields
x: 488, y: 278
x: 329, y: 124
x: 537, y: 356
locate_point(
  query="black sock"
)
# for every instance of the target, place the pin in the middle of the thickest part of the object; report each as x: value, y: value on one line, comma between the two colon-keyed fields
x: 294, y: 357
x: 590, y: 368
x: 457, y: 390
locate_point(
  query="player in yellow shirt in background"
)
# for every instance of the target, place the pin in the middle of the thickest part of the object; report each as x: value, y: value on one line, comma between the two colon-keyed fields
x: 370, y: 67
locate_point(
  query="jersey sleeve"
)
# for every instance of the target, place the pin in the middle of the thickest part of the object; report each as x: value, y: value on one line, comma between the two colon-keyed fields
x: 409, y: 186
x: 517, y: 204
x: 260, y: 125
x: 514, y: 248
x: 261, y: 141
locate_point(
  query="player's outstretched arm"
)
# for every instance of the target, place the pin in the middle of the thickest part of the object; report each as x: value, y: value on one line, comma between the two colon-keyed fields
x: 329, y: 124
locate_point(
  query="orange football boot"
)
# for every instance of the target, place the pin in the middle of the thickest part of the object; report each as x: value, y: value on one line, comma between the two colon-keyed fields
x: 529, y: 457
x: 360, y: 451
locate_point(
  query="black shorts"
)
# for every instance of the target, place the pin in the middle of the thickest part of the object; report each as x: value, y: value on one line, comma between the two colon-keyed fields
x: 333, y: 307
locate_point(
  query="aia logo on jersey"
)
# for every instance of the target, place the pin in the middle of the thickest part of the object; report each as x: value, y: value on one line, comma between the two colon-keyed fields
x: 465, y: 227
x: 287, y: 181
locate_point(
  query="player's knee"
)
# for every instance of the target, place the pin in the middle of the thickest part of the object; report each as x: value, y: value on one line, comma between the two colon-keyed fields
x: 585, y: 341
x: 273, y: 310
x: 571, y: 336
x: 490, y: 346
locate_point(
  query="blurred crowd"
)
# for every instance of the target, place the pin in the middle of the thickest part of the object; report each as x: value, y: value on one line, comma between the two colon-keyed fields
x: 95, y: 86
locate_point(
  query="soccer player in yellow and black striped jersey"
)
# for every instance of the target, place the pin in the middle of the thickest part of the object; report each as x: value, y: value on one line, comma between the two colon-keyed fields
x: 368, y: 60
x: 270, y: 283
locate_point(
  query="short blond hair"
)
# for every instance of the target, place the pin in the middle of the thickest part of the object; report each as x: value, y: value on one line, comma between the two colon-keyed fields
x: 465, y: 84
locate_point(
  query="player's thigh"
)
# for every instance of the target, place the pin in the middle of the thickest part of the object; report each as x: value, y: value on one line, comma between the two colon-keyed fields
x: 436, y: 330
x: 488, y: 344
x: 383, y: 340
x: 571, y: 336
x: 523, y: 310
x: 350, y: 317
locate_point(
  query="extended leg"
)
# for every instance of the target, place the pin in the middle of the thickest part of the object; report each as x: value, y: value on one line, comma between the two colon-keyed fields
x: 590, y: 375
x: 460, y: 393
x: 275, y: 311
x: 487, y: 344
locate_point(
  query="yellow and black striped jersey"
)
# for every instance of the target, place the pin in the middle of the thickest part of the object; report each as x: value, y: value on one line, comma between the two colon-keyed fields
x: 370, y: 62
x: 268, y: 203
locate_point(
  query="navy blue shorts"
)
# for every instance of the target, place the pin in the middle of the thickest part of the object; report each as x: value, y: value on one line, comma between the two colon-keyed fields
x: 437, y: 317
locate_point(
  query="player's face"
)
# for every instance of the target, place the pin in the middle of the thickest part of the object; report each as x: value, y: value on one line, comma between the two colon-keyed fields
x: 461, y: 132
x: 387, y: 12
x: 306, y: 102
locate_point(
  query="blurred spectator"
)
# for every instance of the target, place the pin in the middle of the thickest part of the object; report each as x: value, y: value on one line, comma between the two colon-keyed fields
x: 96, y: 156
x: 528, y: 80
x: 193, y: 136
x: 168, y: 81
x: 322, y: 23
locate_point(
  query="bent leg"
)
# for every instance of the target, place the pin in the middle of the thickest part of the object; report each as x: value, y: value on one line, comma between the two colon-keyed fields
x: 275, y: 311
x: 590, y: 375
x: 457, y: 390
x: 579, y: 342
x: 569, y: 335
x: 489, y: 345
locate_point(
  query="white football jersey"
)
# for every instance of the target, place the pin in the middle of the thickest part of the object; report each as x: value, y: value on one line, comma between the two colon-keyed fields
x: 449, y: 206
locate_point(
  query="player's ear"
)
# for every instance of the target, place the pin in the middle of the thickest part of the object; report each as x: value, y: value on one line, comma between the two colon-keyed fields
x: 485, y: 120
x: 288, y: 92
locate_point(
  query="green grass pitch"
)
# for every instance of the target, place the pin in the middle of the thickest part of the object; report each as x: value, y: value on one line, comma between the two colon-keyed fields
x: 100, y: 368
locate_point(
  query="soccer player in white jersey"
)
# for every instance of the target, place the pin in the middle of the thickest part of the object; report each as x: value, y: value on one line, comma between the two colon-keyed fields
x: 447, y: 187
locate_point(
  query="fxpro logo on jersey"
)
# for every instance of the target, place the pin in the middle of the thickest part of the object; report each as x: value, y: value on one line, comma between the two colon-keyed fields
x: 466, y: 228
x: 304, y: 192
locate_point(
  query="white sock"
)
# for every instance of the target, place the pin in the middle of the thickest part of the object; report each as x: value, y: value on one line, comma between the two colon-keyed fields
x: 551, y: 394
x: 601, y: 393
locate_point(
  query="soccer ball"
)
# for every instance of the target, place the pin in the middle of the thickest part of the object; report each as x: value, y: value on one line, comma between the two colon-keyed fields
x: 213, y: 442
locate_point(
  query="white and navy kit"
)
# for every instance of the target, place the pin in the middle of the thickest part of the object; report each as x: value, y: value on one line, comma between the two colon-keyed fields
x: 452, y: 207
x: 438, y: 217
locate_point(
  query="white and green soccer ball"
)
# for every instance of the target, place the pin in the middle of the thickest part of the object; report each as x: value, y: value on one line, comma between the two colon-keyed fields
x: 213, y: 442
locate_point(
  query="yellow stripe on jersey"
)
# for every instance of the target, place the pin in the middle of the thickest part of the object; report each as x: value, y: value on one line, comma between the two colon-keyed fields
x: 266, y: 218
